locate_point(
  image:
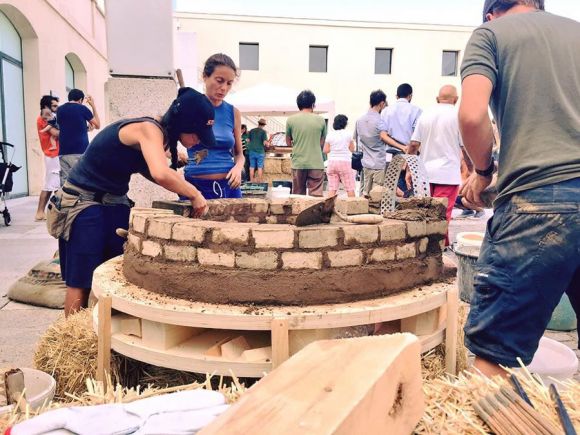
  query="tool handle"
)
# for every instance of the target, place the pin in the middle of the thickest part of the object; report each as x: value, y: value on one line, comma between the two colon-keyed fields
x: 179, y: 76
x: 520, y: 390
x: 562, y: 413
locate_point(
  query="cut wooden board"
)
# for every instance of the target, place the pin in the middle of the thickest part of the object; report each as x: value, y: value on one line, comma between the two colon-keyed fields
x: 421, y: 324
x: 367, y: 385
x: 233, y: 349
x: 261, y: 354
x: 164, y: 336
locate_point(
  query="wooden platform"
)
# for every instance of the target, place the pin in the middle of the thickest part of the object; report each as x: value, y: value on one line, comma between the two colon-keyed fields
x: 250, y: 341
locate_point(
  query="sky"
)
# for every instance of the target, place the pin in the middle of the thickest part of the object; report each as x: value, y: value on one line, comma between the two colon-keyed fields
x: 461, y: 12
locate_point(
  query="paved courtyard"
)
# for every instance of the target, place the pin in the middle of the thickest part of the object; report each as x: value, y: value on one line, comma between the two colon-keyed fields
x: 26, y: 242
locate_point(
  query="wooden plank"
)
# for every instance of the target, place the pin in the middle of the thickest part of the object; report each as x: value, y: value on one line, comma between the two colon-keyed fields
x: 367, y: 385
x: 216, y: 348
x: 451, y: 332
x: 233, y: 349
x: 109, y: 277
x: 104, y: 339
x: 261, y: 354
x: 421, y: 324
x: 126, y: 324
x: 164, y: 336
x: 280, y: 342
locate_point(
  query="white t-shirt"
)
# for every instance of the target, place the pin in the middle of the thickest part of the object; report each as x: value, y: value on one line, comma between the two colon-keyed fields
x: 438, y: 132
x: 339, y: 141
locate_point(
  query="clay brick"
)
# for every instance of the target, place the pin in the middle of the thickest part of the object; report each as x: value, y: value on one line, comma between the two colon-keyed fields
x: 236, y: 233
x: 192, y: 230
x: 145, y: 213
x: 274, y: 236
x: 350, y: 206
x: 355, y: 234
x: 381, y: 255
x: 392, y: 230
x: 151, y: 249
x: 258, y: 205
x: 302, y: 260
x: 139, y: 221
x: 254, y: 219
x: 257, y: 260
x: 180, y: 253
x: 437, y: 227
x: 207, y: 257
x: 301, y: 203
x: 287, y: 166
x: 423, y: 243
x: 349, y: 257
x: 416, y: 229
x: 406, y: 251
x: 376, y: 194
x: 272, y: 220
x: 280, y: 206
x: 161, y: 227
x: 318, y: 237
x: 134, y: 241
x: 443, y: 201
x: 273, y: 166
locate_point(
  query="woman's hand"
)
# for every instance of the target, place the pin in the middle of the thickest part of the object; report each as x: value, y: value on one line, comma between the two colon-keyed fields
x: 234, y: 177
x: 199, y: 205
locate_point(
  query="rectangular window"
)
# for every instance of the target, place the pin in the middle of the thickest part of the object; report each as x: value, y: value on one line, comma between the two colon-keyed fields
x: 318, y: 58
x: 250, y: 56
x: 449, y: 63
x: 383, y: 58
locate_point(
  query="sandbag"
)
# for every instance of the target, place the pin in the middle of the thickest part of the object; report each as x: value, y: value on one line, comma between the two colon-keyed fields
x: 42, y: 286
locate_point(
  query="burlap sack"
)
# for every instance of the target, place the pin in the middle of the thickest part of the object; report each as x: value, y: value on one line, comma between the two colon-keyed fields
x: 42, y: 286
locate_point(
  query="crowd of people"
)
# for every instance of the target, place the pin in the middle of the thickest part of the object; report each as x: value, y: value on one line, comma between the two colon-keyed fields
x: 533, y: 235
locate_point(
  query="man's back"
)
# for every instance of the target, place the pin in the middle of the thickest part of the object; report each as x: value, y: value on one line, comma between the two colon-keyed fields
x: 400, y: 119
x: 72, y: 120
x: 256, y: 137
x: 533, y: 61
x: 438, y: 132
x: 368, y: 131
x: 306, y: 131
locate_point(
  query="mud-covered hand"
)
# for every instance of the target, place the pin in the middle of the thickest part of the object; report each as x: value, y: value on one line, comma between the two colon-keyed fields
x: 199, y: 205
x: 473, y: 188
x: 234, y: 177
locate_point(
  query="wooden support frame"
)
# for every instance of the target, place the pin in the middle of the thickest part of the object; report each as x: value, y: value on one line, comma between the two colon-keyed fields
x: 451, y: 332
x: 280, y: 342
x: 104, y: 339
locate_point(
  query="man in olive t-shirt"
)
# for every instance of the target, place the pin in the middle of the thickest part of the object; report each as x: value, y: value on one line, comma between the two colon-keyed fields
x: 258, y: 140
x: 305, y: 133
x: 525, y: 63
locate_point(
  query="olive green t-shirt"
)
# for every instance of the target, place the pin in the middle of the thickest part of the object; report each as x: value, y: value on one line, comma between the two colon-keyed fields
x: 533, y: 62
x: 306, y: 129
x: 257, y: 138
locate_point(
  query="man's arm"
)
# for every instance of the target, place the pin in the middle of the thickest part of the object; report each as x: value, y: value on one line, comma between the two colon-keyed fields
x: 474, y: 121
x: 414, y: 147
x: 392, y: 142
x: 94, y: 121
x: 288, y: 135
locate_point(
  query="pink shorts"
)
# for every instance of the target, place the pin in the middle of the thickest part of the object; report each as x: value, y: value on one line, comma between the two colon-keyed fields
x: 340, y: 172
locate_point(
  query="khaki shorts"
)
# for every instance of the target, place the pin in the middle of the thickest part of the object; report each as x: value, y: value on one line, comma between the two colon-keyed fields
x: 372, y: 178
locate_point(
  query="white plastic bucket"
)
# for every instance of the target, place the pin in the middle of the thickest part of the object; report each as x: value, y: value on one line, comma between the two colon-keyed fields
x: 470, y: 238
x: 280, y: 192
x: 554, y: 360
x: 40, y: 387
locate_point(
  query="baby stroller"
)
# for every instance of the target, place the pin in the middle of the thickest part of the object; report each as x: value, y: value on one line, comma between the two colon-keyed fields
x: 7, y: 168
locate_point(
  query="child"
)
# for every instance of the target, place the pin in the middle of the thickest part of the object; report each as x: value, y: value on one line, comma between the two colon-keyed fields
x: 49, y: 117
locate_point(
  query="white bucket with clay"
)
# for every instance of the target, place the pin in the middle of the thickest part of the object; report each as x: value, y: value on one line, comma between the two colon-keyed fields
x: 40, y: 387
x: 554, y: 360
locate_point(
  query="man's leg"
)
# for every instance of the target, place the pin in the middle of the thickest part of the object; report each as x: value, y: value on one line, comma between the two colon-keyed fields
x: 574, y: 295
x: 446, y: 191
x: 42, y: 201
x: 315, y: 182
x: 75, y: 299
x: 367, y: 186
x: 299, y: 181
x: 527, y: 261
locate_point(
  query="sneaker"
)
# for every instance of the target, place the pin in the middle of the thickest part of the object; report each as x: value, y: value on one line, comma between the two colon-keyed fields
x: 478, y: 214
x: 465, y: 214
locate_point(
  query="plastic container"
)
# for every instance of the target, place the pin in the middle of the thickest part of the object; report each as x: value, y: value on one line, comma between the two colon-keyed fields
x: 554, y: 360
x: 563, y: 317
x: 40, y: 387
x: 466, y: 259
x: 280, y: 192
x: 282, y: 183
x: 470, y: 239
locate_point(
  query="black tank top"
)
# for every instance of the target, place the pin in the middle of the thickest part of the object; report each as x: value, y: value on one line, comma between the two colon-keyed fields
x: 107, y: 164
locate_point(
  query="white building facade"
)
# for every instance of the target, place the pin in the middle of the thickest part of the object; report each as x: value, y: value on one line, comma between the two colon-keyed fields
x: 344, y: 60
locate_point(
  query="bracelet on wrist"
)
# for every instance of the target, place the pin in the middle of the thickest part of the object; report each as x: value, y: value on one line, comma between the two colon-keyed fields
x: 487, y: 172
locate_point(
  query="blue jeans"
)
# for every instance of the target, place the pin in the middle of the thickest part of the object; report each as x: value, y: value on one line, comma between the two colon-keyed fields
x: 213, y: 189
x: 529, y: 258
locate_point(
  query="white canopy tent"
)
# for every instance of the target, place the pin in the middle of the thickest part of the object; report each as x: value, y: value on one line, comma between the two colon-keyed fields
x: 272, y: 100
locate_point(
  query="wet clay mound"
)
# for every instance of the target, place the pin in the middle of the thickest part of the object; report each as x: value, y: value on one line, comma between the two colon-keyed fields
x: 286, y: 287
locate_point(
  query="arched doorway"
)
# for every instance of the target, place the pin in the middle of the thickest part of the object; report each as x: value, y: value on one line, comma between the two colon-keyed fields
x: 12, y: 124
x: 75, y: 73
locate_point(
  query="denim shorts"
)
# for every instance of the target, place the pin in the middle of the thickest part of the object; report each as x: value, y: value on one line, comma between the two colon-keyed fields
x: 256, y: 160
x: 529, y: 258
x: 213, y: 189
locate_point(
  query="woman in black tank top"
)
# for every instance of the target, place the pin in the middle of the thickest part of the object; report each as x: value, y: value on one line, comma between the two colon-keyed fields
x: 101, y: 181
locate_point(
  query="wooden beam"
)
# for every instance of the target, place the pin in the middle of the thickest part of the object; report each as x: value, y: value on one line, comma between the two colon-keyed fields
x: 280, y: 342
x: 421, y: 324
x: 451, y: 332
x: 367, y: 385
x: 104, y: 339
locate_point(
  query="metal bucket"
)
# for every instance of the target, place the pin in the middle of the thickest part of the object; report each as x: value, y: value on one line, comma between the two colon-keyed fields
x: 466, y: 258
